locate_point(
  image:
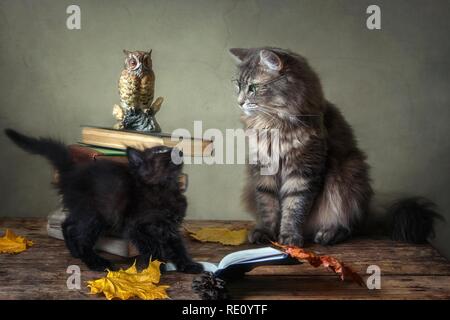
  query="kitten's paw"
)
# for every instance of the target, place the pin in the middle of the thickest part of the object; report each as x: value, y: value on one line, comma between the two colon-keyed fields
x: 191, y: 267
x: 142, y: 262
x: 260, y: 236
x: 291, y: 240
x: 99, y: 264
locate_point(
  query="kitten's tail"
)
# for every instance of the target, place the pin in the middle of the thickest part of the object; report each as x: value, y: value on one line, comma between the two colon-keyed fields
x: 56, y: 152
x: 406, y: 220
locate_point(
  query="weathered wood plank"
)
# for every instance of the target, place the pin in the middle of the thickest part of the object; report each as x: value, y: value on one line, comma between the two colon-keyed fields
x: 329, y: 287
x: 408, y: 271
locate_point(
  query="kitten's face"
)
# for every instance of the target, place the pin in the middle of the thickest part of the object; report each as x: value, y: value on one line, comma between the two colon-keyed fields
x: 154, y: 165
x: 138, y: 62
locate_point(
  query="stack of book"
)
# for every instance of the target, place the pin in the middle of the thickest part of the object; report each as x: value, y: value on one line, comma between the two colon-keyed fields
x: 121, y: 139
x: 98, y: 144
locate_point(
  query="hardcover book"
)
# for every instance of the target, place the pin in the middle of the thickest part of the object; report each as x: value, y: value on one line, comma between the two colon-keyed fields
x: 236, y: 264
x: 121, y: 139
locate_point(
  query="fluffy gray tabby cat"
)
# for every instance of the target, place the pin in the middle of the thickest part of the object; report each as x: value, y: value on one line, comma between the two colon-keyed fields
x: 322, y: 189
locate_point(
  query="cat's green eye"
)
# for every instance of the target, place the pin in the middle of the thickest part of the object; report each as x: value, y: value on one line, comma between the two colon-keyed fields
x: 252, y: 88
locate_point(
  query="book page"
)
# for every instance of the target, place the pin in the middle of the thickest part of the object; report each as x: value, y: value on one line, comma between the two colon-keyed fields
x: 207, y: 266
x: 251, y: 255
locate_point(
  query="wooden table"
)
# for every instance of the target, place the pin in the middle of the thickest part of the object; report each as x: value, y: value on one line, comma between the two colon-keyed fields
x: 408, y: 271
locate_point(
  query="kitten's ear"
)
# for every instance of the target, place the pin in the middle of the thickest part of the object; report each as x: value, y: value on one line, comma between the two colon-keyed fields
x: 135, y: 157
x: 150, y: 52
x: 270, y: 60
x: 126, y: 52
x: 238, y: 54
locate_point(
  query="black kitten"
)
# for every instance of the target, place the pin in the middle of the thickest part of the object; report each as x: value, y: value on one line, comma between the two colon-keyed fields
x: 141, y: 201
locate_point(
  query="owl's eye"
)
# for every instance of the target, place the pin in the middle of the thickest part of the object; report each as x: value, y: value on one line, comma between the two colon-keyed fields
x: 132, y: 62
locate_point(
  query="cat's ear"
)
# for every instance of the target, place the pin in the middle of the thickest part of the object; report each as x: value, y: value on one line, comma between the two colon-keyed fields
x: 270, y: 60
x: 150, y: 52
x: 135, y: 157
x: 238, y: 54
x: 126, y: 52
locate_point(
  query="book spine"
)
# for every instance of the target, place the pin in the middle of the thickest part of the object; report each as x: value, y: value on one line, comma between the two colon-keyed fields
x: 82, y: 153
x: 117, y: 139
x: 118, y: 159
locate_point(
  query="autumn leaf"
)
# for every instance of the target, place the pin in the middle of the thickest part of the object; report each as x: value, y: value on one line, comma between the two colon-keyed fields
x: 338, y: 267
x: 12, y: 243
x: 222, y: 235
x: 129, y: 283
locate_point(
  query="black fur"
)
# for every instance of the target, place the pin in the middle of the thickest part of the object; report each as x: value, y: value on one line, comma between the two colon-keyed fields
x: 54, y: 151
x: 412, y: 220
x: 141, y: 201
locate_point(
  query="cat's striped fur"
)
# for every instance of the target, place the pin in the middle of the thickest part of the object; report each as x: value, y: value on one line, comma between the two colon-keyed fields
x: 322, y: 188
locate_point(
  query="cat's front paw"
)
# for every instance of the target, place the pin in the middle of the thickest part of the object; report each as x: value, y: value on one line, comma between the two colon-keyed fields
x: 99, y: 264
x: 260, y: 236
x: 190, y: 267
x: 291, y: 240
x: 331, y: 236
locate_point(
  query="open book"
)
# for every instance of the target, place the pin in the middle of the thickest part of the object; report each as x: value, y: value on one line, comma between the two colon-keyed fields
x: 238, y: 263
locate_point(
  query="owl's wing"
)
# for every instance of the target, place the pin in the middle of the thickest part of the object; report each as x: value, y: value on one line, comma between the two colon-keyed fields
x: 146, y: 91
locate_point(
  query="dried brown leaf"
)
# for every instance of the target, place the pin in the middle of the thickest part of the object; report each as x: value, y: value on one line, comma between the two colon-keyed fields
x: 335, y: 265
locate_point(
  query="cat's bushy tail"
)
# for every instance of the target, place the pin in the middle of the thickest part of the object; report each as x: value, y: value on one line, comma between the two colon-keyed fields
x: 412, y: 219
x: 56, y: 152
x: 407, y: 220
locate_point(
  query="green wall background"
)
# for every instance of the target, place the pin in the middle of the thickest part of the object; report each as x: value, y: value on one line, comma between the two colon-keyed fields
x: 392, y: 84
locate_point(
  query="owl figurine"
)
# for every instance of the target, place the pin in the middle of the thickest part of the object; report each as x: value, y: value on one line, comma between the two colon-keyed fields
x: 136, y: 89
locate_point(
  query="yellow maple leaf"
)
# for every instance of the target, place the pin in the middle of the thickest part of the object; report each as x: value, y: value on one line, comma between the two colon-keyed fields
x: 12, y: 243
x: 129, y: 283
x: 222, y: 235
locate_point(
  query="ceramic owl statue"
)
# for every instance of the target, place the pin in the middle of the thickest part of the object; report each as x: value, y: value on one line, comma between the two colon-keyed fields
x: 137, y: 107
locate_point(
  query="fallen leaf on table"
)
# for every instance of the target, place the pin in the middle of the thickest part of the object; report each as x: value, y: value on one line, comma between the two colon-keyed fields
x: 12, y: 243
x: 329, y: 262
x: 129, y: 283
x: 222, y: 235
